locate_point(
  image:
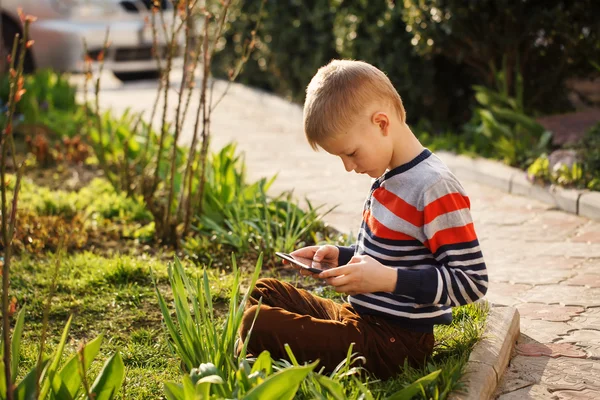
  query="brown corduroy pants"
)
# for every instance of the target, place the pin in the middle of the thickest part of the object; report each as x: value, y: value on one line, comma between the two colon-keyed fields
x: 318, y: 328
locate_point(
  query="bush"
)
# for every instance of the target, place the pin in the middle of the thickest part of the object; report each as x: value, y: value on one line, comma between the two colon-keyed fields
x: 553, y: 40
x: 49, y: 100
x: 319, y: 31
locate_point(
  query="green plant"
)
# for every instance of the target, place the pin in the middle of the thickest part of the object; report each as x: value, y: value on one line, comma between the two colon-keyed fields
x: 171, y: 179
x: 319, y: 31
x: 196, y: 338
x: 51, y: 379
x: 589, y: 154
x: 251, y: 382
x: 500, y: 126
x: 242, y: 216
x: 552, y: 39
x: 8, y: 218
x: 47, y: 92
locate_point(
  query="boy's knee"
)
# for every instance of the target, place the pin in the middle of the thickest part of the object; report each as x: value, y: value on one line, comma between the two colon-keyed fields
x: 247, y: 320
x: 264, y: 286
x: 261, y: 324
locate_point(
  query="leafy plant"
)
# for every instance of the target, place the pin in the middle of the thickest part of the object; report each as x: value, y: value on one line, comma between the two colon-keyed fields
x: 552, y: 39
x: 196, y: 337
x: 46, y: 92
x: 171, y: 179
x: 500, y: 126
x: 256, y: 382
x: 52, y: 379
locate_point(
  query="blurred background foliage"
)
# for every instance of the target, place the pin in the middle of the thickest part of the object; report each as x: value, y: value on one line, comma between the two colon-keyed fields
x: 434, y: 51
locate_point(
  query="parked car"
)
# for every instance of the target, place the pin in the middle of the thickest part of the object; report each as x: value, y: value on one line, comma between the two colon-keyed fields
x: 62, y: 26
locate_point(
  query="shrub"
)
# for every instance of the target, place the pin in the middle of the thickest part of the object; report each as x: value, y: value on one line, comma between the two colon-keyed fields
x: 480, y: 34
x: 500, y: 127
x: 321, y: 30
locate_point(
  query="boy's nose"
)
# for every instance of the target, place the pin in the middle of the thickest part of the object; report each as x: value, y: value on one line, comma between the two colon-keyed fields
x: 348, y: 165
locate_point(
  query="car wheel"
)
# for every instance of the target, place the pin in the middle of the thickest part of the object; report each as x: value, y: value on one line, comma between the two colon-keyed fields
x: 9, y: 30
x: 137, y: 76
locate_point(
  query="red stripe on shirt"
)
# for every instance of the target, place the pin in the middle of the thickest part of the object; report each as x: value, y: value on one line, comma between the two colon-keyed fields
x: 460, y: 234
x: 399, y: 207
x: 445, y: 204
x: 381, y: 231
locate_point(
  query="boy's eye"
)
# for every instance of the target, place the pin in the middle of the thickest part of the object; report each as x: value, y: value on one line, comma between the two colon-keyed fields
x: 352, y: 154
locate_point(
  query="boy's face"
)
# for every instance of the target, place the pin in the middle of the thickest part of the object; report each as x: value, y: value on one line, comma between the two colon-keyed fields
x: 365, y: 147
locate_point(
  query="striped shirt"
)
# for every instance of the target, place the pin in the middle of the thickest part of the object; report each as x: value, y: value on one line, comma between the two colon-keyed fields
x: 417, y: 219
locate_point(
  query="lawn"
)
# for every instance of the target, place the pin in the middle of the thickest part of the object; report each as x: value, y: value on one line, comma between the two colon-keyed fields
x: 108, y: 288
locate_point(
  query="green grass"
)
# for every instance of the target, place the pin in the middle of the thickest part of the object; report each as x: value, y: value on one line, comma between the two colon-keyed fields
x: 115, y: 296
x: 110, y: 291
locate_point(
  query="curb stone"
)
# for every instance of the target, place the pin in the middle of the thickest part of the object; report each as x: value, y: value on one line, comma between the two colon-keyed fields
x: 490, y: 356
x: 512, y: 180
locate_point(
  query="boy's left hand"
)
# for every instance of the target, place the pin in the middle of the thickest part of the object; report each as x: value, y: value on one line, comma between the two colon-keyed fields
x: 363, y: 274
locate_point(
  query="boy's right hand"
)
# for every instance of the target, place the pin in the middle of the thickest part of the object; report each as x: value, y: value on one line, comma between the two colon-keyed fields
x: 326, y: 254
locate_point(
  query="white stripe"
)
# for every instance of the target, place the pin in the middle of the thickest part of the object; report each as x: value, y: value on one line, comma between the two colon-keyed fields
x: 473, y: 287
x: 448, y: 284
x: 399, y: 313
x: 460, y: 286
x: 462, y: 251
x: 471, y: 272
x: 440, y: 284
x: 394, y: 302
x: 465, y: 263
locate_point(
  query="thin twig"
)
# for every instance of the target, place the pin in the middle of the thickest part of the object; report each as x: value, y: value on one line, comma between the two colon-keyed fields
x: 171, y: 195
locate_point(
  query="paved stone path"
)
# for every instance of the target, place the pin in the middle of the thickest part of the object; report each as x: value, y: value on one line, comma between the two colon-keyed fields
x: 543, y: 261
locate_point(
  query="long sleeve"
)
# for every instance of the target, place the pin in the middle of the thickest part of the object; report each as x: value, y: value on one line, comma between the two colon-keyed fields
x: 346, y: 253
x: 460, y: 276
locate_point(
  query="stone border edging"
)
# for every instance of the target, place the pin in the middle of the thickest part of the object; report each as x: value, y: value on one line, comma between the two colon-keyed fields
x: 585, y: 203
x: 490, y: 356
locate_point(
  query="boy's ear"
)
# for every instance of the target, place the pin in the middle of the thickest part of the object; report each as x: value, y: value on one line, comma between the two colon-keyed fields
x: 381, y: 119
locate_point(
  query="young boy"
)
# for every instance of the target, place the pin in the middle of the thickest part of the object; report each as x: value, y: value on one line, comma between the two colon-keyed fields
x: 416, y: 255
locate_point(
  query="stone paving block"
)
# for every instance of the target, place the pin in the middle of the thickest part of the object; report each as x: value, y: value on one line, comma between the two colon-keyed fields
x: 505, y: 293
x: 588, y: 340
x: 531, y: 392
x: 560, y: 373
x: 563, y: 295
x: 590, y: 319
x: 587, y: 280
x: 590, y: 233
x: 585, y: 394
x: 550, y: 350
x: 574, y: 249
x: 528, y: 272
x: 552, y: 313
x: 589, y: 205
x: 543, y: 331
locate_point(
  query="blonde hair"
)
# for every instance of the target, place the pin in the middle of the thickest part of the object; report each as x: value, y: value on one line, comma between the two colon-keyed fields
x: 338, y: 92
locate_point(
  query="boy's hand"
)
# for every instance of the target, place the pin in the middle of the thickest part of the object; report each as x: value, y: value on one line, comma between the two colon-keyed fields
x: 363, y: 274
x: 326, y: 254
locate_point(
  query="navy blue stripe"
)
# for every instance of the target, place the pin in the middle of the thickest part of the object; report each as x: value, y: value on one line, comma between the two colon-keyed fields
x: 461, y: 257
x: 467, y: 287
x: 398, y: 252
x: 457, y: 246
x: 406, y: 309
x: 408, y: 263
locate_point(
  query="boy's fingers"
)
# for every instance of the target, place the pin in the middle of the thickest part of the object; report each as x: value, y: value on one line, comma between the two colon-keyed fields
x: 332, y: 272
